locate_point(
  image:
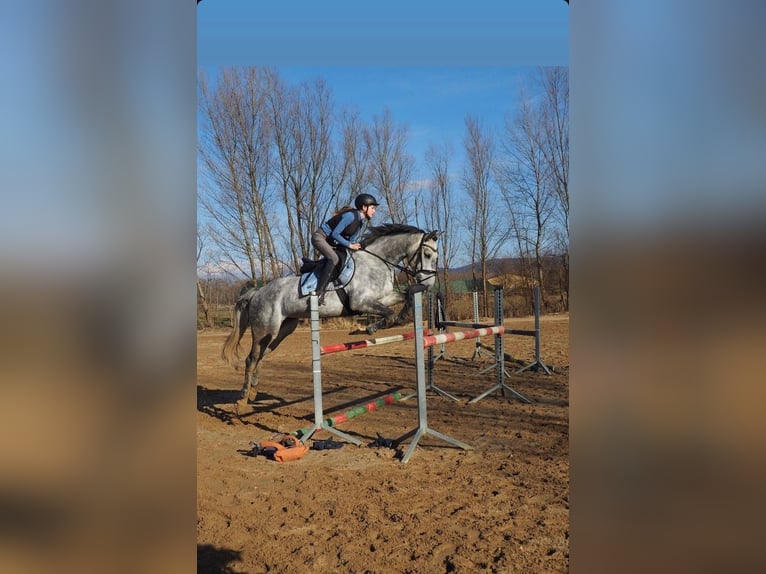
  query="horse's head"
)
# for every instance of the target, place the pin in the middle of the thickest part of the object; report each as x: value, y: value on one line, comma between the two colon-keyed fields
x: 395, y: 242
x: 424, y: 261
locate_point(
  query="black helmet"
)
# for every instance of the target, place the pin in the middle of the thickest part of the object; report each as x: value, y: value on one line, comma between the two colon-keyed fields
x: 364, y: 199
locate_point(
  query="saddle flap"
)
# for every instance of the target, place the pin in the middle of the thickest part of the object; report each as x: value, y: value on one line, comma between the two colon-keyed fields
x: 308, y: 265
x: 339, y: 278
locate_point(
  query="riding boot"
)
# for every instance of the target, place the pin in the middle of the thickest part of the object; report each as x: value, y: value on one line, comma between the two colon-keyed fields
x: 324, y: 280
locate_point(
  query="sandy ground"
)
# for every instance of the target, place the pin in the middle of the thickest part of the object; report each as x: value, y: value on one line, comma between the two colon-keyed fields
x: 501, y: 507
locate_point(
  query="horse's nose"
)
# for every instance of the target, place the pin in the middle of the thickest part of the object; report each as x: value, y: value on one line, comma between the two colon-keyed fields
x: 425, y: 278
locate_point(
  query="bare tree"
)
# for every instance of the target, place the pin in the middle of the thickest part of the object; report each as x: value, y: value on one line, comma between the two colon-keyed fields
x: 554, y: 82
x: 440, y: 210
x: 390, y: 165
x: 201, y: 238
x: 487, y: 230
x: 351, y: 165
x: 302, y: 120
x: 526, y: 182
x: 554, y: 144
x: 290, y: 170
x: 520, y: 232
x: 317, y: 120
x: 235, y: 154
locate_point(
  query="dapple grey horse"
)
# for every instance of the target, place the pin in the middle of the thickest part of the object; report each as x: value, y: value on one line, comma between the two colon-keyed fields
x: 274, y: 311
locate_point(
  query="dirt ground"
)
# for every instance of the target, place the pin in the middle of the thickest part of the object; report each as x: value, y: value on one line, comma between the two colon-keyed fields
x: 501, y: 507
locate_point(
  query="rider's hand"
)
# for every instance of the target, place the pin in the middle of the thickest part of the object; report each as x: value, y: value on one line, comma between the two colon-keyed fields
x: 355, y: 246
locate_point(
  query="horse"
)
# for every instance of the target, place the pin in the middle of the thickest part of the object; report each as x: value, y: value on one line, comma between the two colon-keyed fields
x: 275, y: 310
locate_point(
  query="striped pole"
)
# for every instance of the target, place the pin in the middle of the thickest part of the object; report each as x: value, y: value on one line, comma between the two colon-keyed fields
x: 460, y: 335
x: 356, y: 411
x: 352, y: 345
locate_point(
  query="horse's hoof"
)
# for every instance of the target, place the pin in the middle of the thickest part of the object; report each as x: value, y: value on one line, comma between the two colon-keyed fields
x: 241, y: 405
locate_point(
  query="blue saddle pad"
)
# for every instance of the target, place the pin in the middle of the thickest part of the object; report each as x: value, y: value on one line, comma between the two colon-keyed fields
x: 308, y: 282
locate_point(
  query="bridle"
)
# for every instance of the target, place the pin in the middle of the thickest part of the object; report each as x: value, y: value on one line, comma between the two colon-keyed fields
x: 411, y: 272
x: 419, y: 254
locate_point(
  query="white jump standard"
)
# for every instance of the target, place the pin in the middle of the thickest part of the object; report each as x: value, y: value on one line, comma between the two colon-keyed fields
x: 436, y: 318
x: 499, y: 365
x: 316, y: 366
x: 420, y: 345
x: 498, y: 330
x: 320, y: 423
x: 537, y: 363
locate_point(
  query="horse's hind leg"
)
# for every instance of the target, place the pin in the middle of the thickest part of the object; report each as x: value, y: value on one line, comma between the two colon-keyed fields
x: 252, y: 365
x: 285, y: 329
x: 258, y: 352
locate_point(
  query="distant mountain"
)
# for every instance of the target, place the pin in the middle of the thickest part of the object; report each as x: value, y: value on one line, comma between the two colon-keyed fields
x: 499, y: 266
x: 496, y: 266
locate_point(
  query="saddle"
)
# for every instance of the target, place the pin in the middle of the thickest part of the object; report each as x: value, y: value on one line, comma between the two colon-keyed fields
x: 309, y: 265
x: 311, y: 270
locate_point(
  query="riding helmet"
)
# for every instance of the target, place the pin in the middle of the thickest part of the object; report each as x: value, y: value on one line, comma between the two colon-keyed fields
x: 365, y: 199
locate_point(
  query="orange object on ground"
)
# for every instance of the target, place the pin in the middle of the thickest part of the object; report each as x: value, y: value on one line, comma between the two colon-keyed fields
x: 284, y: 453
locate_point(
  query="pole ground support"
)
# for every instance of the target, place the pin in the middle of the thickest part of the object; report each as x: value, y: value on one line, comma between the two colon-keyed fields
x: 537, y: 364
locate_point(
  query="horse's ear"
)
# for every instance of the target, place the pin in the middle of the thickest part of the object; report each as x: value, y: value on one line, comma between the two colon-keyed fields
x: 434, y: 234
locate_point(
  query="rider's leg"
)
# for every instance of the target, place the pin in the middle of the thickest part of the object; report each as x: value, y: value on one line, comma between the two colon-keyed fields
x: 319, y: 240
x: 324, y: 280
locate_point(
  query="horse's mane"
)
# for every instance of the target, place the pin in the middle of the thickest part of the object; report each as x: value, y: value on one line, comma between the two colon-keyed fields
x: 386, y: 229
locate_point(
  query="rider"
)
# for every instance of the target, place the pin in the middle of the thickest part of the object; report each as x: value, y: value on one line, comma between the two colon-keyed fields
x: 343, y: 229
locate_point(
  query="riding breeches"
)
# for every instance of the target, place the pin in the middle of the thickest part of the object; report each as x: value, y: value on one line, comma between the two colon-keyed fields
x: 319, y: 239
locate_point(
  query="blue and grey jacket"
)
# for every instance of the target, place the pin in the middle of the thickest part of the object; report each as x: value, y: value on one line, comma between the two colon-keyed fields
x: 344, y: 228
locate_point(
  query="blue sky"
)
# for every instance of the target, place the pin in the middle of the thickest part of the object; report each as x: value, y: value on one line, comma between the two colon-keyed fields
x: 430, y: 63
x: 394, y: 33
x: 431, y: 102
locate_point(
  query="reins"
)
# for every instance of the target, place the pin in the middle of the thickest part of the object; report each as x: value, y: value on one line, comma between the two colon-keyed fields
x: 406, y: 269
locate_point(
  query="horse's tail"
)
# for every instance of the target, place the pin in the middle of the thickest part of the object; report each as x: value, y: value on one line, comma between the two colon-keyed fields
x: 240, y: 319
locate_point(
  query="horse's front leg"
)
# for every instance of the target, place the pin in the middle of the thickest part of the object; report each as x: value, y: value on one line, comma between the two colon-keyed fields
x: 387, y: 321
x: 391, y: 319
x: 376, y: 308
x: 402, y: 317
x: 403, y: 314
x: 380, y: 307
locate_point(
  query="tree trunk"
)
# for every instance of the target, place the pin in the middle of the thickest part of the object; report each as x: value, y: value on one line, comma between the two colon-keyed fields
x: 203, y: 302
